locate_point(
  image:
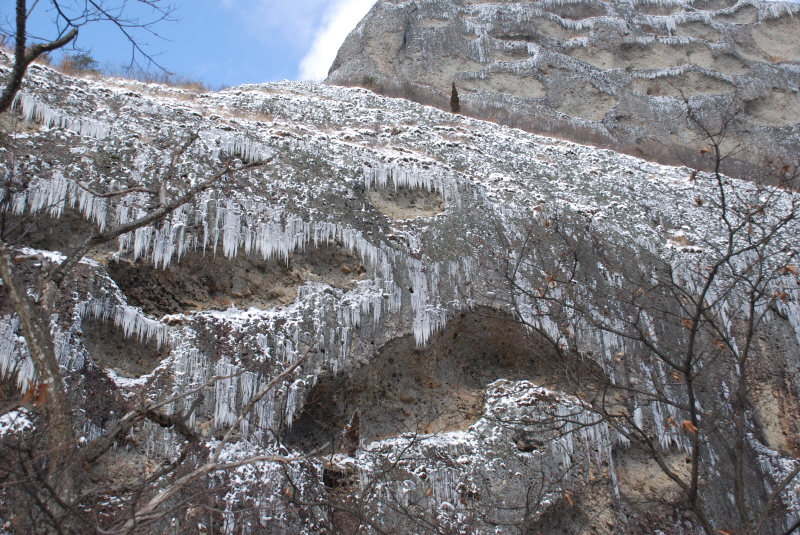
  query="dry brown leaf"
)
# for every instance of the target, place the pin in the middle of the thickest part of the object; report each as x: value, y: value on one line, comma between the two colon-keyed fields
x: 677, y: 377
x: 30, y: 393
x: 705, y: 150
x: 689, y: 426
x: 569, y: 499
x: 429, y: 491
x: 688, y: 323
x: 672, y: 422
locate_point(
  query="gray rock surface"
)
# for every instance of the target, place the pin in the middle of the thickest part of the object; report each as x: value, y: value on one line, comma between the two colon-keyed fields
x: 597, y: 72
x: 376, y: 237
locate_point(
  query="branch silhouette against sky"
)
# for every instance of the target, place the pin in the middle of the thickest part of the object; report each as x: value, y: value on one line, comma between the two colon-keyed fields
x: 227, y: 42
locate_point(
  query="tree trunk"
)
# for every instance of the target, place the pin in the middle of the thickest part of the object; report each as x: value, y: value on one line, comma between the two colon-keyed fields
x: 35, y: 323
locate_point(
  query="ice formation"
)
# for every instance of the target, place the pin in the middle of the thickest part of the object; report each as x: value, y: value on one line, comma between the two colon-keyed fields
x: 129, y: 319
x: 14, y: 359
x: 36, y: 111
x: 411, y: 286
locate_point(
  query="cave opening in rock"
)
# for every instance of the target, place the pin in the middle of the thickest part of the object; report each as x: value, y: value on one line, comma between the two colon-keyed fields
x: 433, y: 389
x: 406, y: 203
x: 40, y: 231
x: 129, y: 357
x: 207, y: 282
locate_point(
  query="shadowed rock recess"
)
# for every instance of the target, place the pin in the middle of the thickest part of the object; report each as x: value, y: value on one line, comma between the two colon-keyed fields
x: 604, y: 73
x: 431, y: 389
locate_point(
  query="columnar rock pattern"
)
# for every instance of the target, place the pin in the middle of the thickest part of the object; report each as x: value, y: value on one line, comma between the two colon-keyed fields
x: 603, y: 72
x: 375, y: 239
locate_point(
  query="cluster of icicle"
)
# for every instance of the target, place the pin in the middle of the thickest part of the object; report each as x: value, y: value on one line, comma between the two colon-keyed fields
x: 401, y: 178
x: 15, y: 362
x: 429, y: 317
x: 381, y: 175
x: 568, y: 417
x: 604, y: 347
x: 334, y: 319
x: 36, y: 111
x: 51, y: 196
x: 235, y: 144
x: 129, y: 319
x: 237, y: 389
x: 434, y: 297
x: 321, y: 318
x: 249, y: 226
x: 778, y: 467
x: 14, y: 359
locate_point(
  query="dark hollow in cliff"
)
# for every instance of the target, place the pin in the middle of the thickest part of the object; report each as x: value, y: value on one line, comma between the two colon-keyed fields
x: 40, y: 231
x: 427, y: 390
x: 207, y: 282
x: 108, y: 347
x: 406, y: 203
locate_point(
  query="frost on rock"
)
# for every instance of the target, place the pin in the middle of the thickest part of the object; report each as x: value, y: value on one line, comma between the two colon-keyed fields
x: 331, y: 148
x: 446, y: 475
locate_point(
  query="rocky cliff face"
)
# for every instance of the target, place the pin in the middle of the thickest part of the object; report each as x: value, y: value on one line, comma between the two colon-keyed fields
x: 604, y: 73
x: 376, y: 240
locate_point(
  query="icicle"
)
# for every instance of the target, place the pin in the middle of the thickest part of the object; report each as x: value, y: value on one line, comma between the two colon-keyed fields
x: 291, y: 401
x: 225, y: 413
x: 35, y: 111
x: 14, y: 358
x: 248, y: 384
x: 130, y: 319
x: 52, y: 196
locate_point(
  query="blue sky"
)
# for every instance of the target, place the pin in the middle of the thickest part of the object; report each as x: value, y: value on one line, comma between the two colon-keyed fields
x: 229, y: 42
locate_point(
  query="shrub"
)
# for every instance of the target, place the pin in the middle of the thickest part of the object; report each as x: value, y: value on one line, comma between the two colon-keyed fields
x: 80, y: 63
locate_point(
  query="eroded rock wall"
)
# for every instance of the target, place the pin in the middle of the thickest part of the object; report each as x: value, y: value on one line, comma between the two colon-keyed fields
x: 611, y: 74
x: 375, y: 240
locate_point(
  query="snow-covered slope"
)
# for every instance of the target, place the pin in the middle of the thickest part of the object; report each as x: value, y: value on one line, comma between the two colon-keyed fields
x: 375, y: 237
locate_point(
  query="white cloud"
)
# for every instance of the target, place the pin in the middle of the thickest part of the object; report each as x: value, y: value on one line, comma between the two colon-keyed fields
x: 292, y: 23
x: 339, y: 20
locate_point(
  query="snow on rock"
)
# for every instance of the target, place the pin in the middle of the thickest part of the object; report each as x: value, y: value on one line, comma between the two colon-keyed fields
x: 329, y: 147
